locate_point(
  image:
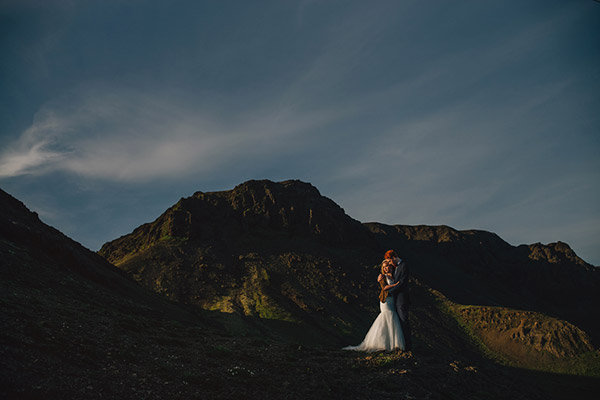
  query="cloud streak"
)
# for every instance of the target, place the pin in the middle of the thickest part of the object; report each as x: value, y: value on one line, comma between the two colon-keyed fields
x: 128, y: 135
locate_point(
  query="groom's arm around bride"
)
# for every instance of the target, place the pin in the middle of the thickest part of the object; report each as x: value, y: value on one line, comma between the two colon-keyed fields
x: 400, y: 276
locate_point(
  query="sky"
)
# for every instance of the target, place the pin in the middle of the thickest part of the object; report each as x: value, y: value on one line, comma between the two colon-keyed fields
x: 473, y: 114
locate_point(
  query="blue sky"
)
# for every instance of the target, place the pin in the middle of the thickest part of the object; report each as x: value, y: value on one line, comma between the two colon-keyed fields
x: 473, y: 114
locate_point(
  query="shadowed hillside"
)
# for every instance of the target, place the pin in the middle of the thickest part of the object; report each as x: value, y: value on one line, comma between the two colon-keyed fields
x: 75, y: 327
x: 281, y: 251
x: 478, y: 267
x: 274, y: 251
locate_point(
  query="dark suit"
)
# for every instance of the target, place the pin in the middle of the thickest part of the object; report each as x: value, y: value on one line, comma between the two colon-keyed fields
x: 402, y: 301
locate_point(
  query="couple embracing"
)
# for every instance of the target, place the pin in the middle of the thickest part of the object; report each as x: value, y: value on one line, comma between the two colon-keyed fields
x: 391, y: 329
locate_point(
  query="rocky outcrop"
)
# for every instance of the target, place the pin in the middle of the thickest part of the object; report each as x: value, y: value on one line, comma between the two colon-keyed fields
x: 555, y: 253
x: 265, y: 249
x: 290, y: 209
x: 526, y: 331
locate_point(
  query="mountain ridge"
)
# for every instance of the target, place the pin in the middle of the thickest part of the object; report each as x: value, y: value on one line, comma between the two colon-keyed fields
x: 282, y: 240
x: 255, y: 204
x: 76, y: 327
x: 241, y: 199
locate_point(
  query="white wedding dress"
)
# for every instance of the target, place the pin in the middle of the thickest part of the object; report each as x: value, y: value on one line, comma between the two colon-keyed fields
x: 386, y: 332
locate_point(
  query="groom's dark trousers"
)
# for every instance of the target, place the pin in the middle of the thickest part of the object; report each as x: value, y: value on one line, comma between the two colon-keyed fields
x: 402, y: 301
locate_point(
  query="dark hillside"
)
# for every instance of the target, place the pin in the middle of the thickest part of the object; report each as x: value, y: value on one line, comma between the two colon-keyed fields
x: 74, y: 327
x: 268, y: 252
x: 478, y: 267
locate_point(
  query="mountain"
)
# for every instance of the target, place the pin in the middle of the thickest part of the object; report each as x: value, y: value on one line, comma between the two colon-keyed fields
x: 281, y: 251
x: 74, y: 326
x: 277, y: 251
x: 64, y: 308
x: 38, y: 256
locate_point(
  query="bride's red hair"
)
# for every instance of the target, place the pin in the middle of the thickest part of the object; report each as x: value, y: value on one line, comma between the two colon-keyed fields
x: 389, y: 254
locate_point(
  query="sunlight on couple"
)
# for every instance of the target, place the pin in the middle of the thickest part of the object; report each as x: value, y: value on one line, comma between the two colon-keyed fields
x: 391, y: 329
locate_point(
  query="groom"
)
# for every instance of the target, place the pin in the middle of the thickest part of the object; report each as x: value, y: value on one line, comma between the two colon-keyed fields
x: 400, y: 293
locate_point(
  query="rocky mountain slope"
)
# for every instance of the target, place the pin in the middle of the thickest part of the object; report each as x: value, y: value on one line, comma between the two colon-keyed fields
x: 73, y: 326
x: 274, y: 251
x: 281, y: 251
x: 478, y: 267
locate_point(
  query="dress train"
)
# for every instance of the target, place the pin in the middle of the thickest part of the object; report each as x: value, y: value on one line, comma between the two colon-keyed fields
x: 386, y: 331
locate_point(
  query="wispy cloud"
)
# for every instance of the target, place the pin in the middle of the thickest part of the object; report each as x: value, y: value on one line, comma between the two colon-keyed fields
x: 30, y: 159
x: 125, y: 134
x: 128, y: 135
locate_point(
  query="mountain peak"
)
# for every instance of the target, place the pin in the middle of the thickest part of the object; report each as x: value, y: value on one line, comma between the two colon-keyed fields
x: 255, y: 208
x: 555, y: 253
x: 291, y: 184
x: 292, y: 207
x: 264, y: 194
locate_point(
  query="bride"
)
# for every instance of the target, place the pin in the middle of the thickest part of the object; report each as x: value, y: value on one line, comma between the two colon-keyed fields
x: 385, y: 333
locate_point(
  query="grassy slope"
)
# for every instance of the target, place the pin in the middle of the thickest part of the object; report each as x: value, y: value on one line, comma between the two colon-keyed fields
x: 478, y: 267
x: 283, y: 291
x: 297, y: 282
x: 529, y: 340
x: 66, y: 338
